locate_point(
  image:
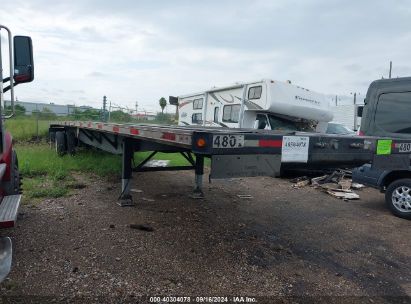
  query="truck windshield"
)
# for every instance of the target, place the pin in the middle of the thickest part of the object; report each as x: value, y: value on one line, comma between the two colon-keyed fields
x: 280, y: 123
x: 393, y: 113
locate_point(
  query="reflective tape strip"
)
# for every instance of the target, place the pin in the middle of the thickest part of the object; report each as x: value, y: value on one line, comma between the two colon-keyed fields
x: 263, y: 143
x: 143, y: 132
x: 250, y: 143
x: 270, y: 143
x: 134, y: 131
x: 168, y: 136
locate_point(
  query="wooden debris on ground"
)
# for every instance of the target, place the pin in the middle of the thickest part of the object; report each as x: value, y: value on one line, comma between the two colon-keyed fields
x: 337, y: 184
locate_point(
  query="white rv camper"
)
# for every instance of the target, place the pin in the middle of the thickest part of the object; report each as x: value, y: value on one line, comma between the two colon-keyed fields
x: 265, y: 104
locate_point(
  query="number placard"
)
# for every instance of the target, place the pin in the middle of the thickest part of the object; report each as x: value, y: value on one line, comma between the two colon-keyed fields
x: 295, y: 149
x: 405, y: 147
x: 228, y: 141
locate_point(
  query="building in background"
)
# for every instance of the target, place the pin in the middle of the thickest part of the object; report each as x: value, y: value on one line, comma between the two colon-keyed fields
x: 144, y: 116
x: 60, y: 110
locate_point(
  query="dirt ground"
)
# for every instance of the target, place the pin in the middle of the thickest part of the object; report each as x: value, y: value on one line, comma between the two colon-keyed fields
x: 282, y: 242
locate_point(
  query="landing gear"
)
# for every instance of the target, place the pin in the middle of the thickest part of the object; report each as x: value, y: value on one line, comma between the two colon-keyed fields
x: 199, y: 172
x: 126, y: 174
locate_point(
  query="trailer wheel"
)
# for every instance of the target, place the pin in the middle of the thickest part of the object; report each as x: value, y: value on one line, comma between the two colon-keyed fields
x: 13, y: 186
x: 398, y: 198
x: 71, y: 142
x: 61, y: 144
x: 52, y: 136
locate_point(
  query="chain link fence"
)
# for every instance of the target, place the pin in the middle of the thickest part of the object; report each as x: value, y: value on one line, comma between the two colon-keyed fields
x: 32, y: 124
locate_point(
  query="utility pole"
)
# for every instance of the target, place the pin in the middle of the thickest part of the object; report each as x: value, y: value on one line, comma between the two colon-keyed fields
x: 336, y: 99
x: 104, y: 108
x: 389, y: 75
x: 355, y: 98
x: 109, y: 112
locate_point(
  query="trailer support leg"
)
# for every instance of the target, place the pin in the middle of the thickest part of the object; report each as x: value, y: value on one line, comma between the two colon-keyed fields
x: 126, y: 174
x: 199, y: 172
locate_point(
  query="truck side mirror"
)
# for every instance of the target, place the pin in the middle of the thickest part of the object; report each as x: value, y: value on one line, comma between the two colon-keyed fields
x: 359, y: 111
x: 23, y: 59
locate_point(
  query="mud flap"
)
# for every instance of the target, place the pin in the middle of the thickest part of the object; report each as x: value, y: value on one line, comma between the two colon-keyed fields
x: 5, y: 257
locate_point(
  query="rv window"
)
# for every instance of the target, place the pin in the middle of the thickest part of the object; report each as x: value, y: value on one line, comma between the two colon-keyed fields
x: 216, y: 110
x: 197, y: 118
x: 198, y: 104
x: 231, y: 113
x: 255, y: 92
x: 393, y: 112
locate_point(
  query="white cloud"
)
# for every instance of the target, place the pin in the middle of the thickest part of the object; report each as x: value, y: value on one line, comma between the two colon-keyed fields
x: 142, y: 50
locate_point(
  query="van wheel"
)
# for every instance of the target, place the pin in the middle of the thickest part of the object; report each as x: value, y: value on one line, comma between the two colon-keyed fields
x: 61, y: 144
x: 398, y: 198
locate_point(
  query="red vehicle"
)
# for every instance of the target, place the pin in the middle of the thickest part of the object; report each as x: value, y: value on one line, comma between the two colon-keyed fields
x: 21, y: 70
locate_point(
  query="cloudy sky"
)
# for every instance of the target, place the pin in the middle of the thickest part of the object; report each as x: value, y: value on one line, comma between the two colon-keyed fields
x: 142, y: 50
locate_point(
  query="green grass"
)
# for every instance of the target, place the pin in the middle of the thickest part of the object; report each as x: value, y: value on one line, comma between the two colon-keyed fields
x: 40, y: 159
x: 24, y: 129
x: 48, y: 175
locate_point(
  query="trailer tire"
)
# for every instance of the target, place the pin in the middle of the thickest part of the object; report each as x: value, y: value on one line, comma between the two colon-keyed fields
x: 52, y: 136
x: 398, y: 198
x: 61, y: 143
x: 71, y: 142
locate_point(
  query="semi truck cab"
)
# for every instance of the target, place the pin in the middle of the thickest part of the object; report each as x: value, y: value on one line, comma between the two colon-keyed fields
x: 21, y: 70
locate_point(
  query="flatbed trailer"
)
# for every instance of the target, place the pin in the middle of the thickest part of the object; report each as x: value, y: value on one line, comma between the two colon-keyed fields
x: 233, y: 152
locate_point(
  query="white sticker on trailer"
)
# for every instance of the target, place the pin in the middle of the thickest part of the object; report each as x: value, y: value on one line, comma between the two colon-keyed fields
x: 295, y: 149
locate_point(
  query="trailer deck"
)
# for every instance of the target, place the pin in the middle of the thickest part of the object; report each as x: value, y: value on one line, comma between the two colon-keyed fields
x: 233, y: 152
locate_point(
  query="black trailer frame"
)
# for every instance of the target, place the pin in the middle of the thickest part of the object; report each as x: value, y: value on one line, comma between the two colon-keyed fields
x: 233, y: 152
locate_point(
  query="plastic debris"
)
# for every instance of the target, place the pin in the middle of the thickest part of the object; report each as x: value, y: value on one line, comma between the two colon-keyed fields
x: 136, y: 190
x: 157, y: 163
x: 245, y: 196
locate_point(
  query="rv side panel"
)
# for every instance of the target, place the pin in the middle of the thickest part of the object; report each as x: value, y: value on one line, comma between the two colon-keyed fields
x: 223, y: 107
x: 191, y: 110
